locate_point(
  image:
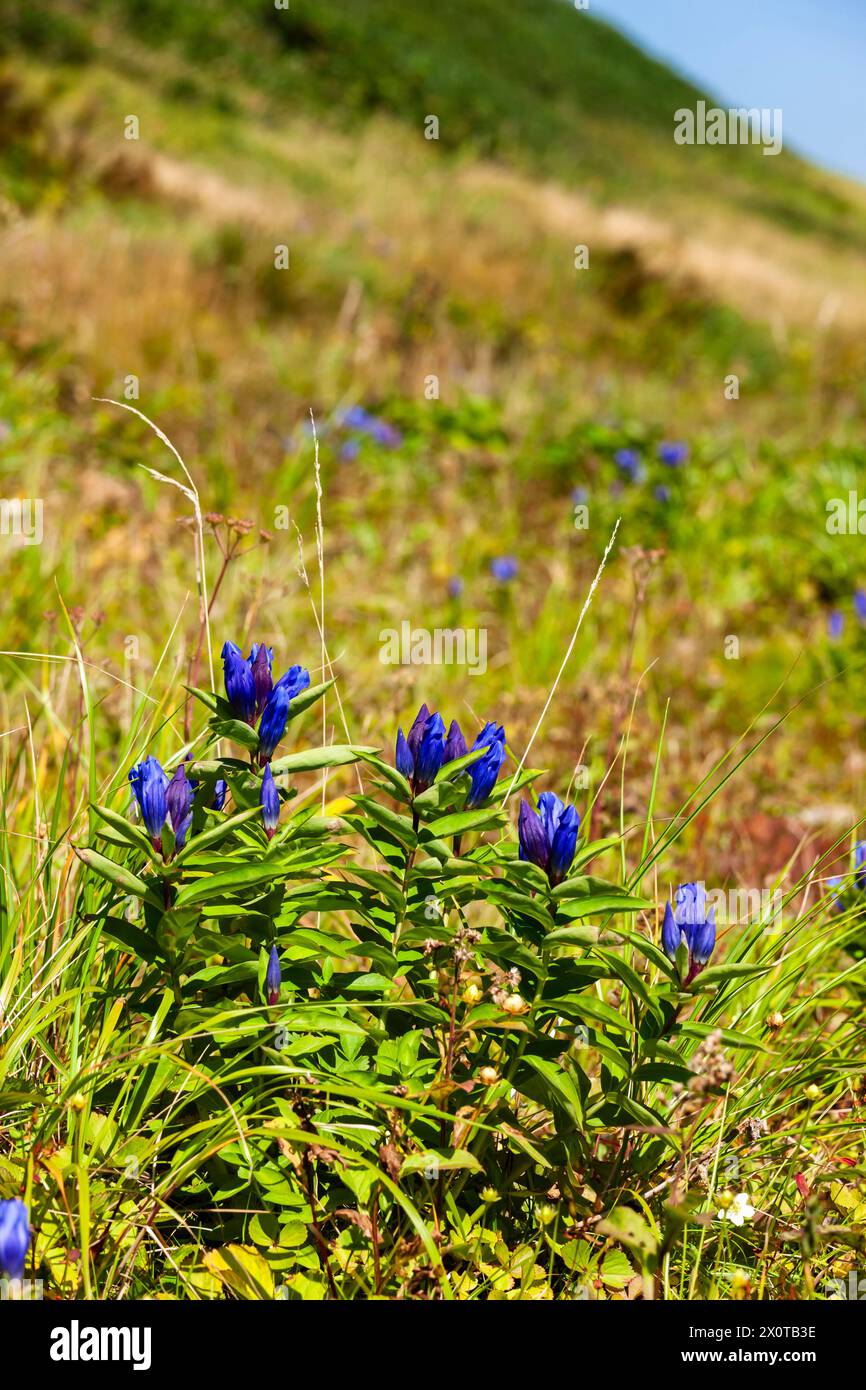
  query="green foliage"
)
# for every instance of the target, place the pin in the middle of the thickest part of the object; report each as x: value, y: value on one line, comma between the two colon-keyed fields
x: 472, y: 1084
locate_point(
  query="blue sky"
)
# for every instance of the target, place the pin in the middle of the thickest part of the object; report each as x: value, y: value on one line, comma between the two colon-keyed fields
x: 806, y: 56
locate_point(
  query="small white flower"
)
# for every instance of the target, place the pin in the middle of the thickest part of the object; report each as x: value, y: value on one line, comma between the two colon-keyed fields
x: 739, y: 1211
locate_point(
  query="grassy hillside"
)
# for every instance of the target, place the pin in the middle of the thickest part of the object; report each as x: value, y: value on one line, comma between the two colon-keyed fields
x: 154, y: 259
x: 539, y: 83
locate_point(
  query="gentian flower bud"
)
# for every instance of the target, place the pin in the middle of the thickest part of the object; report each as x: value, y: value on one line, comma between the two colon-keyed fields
x: 504, y: 568
x: 563, y: 846
x: 691, y: 921
x: 431, y: 753
x: 220, y: 790
x: 261, y: 659
x: 403, y: 760
x: 455, y: 743
x: 484, y: 772
x: 239, y: 683
x: 532, y: 837
x: 273, y: 978
x: 548, y: 838
x: 673, y: 453
x: 273, y: 722
x: 671, y: 934
x: 270, y: 803
x: 14, y: 1238
x: 296, y: 679
x: 704, y: 938
x: 416, y: 733
x: 149, y: 784
x: 179, y: 802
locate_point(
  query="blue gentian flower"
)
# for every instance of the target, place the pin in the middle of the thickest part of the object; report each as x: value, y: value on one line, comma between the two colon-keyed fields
x: 178, y: 798
x: 673, y: 453
x: 860, y: 864
x: 691, y: 921
x: 220, y: 791
x: 504, y: 568
x: 270, y: 803
x: 273, y: 722
x: 455, y: 743
x: 385, y: 434
x: 455, y: 586
x: 629, y: 460
x: 276, y: 712
x: 350, y: 450
x: 431, y: 753
x: 149, y: 784
x: 296, y: 679
x: 485, y: 770
x: 662, y: 494
x: 14, y: 1238
x: 860, y: 604
x: 548, y: 837
x: 835, y: 624
x: 409, y: 747
x: 239, y: 683
x: 250, y: 690
x: 355, y: 418
x: 580, y: 494
x: 273, y: 978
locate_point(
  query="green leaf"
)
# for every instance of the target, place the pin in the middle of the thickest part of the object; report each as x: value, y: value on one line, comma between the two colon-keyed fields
x: 630, y: 1229
x: 559, y: 1085
x: 224, y: 827
x: 132, y: 834
x: 440, y: 1159
x: 115, y: 873
x: 462, y: 821
x: 236, y: 730
x: 718, y: 974
x: 311, y: 759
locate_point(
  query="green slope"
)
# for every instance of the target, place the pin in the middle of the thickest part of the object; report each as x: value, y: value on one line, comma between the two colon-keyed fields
x: 535, y: 82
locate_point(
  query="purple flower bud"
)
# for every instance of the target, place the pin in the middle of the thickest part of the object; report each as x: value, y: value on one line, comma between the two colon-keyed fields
x: 220, y: 791
x: 416, y: 733
x: 273, y: 978
x: 533, y: 840
x: 455, y: 743
x: 261, y: 659
x: 270, y: 803
x: 179, y: 801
